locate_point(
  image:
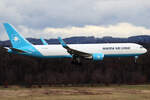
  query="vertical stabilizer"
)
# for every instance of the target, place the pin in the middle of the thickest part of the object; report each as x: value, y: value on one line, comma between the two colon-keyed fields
x: 16, y: 39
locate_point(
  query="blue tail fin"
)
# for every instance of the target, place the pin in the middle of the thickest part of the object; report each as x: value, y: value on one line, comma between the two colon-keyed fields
x: 16, y: 39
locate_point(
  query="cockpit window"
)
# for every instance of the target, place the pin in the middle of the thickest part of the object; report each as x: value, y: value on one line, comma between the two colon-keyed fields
x: 141, y: 46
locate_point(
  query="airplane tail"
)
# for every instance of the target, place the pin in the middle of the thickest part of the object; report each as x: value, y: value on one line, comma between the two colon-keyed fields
x: 16, y: 39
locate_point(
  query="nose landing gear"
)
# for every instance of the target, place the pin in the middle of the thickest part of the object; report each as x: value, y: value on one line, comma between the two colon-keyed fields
x: 136, y: 57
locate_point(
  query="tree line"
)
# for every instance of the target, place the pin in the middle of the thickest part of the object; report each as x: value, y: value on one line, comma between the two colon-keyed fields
x: 25, y: 70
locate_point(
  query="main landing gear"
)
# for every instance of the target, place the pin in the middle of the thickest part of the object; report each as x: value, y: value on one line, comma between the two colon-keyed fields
x: 76, y: 60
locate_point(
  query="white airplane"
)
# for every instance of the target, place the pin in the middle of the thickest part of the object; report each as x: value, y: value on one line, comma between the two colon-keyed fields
x: 75, y: 51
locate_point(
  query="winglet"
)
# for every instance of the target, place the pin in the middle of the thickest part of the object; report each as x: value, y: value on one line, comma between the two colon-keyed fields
x: 62, y: 42
x: 43, y: 41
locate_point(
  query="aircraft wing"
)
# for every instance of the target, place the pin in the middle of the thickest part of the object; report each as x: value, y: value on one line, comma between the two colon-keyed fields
x: 73, y: 51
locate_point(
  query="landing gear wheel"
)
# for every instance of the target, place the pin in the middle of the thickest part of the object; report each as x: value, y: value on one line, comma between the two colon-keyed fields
x: 76, y: 60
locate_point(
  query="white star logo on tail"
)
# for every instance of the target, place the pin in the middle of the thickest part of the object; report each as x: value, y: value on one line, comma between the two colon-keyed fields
x: 16, y: 39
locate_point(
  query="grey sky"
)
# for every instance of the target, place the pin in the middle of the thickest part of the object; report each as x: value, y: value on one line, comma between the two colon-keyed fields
x: 34, y: 17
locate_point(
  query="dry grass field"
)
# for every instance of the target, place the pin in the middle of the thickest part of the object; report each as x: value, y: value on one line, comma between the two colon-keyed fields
x: 114, y: 92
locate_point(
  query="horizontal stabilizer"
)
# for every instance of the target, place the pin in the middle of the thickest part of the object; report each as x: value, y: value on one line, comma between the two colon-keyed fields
x: 14, y: 50
x: 17, y: 50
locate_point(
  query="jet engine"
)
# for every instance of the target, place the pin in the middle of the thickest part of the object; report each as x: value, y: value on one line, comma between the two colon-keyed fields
x: 98, y: 56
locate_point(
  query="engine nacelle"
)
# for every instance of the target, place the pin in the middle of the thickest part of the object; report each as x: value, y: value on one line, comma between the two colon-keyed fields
x: 98, y: 56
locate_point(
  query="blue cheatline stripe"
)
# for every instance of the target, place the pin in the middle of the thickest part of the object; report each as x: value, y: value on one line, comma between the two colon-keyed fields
x: 69, y: 56
x: 122, y: 55
x: 63, y: 56
x: 39, y: 56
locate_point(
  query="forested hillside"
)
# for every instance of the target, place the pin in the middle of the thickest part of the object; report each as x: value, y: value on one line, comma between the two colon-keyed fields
x: 24, y: 70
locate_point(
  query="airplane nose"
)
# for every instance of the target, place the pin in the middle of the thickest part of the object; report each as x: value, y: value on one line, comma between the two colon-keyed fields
x: 145, y: 50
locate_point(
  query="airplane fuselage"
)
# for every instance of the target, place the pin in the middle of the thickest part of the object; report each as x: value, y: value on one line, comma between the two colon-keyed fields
x: 108, y: 49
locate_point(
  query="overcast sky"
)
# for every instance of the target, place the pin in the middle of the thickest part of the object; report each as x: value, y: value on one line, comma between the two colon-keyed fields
x: 67, y: 18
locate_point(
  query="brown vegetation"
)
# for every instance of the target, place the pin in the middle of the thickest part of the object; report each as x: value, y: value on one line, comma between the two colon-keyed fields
x: 24, y: 70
